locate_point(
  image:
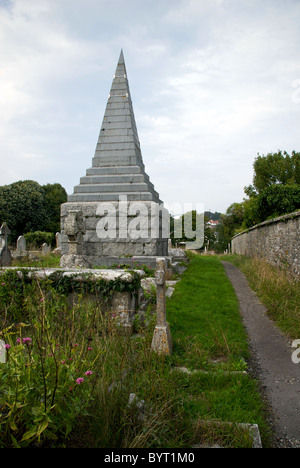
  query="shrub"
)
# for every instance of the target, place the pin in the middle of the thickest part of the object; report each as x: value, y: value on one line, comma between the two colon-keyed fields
x: 38, y: 238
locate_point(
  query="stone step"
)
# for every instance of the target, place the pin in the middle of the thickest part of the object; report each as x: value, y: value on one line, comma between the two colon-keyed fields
x: 113, y: 179
x: 107, y: 197
x: 106, y: 170
x: 114, y: 187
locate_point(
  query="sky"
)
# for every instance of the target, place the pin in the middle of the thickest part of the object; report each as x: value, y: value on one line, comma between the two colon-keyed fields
x: 213, y: 84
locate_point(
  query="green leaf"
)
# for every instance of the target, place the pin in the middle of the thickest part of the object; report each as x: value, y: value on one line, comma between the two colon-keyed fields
x: 15, y: 442
x: 42, y: 427
x: 29, y: 434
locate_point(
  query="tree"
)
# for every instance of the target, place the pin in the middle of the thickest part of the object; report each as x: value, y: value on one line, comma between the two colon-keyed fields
x: 278, y: 200
x: 275, y: 189
x: 22, y: 207
x: 54, y: 196
x: 26, y: 206
x: 275, y: 168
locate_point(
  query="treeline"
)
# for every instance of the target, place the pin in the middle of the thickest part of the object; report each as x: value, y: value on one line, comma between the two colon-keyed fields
x: 27, y: 206
x: 275, y: 191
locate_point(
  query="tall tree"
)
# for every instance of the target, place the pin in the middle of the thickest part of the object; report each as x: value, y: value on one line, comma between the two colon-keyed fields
x: 27, y: 206
x: 54, y: 196
x: 275, y: 168
x: 22, y: 207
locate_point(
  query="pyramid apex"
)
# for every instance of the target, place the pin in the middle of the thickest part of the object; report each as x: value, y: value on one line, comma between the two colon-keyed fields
x: 121, y: 58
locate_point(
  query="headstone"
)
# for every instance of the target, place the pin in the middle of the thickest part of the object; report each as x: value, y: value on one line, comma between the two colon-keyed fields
x: 21, y: 245
x: 46, y: 249
x: 5, y: 255
x: 58, y: 240
x: 161, y: 341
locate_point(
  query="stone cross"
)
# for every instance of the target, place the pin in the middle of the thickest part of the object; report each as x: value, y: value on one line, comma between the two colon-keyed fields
x: 5, y: 255
x: 162, y: 341
x: 74, y: 229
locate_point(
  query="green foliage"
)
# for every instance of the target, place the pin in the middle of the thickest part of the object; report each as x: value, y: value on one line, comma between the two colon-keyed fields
x: 276, y: 168
x: 38, y: 238
x: 275, y: 192
x: 22, y: 207
x: 46, y: 385
x: 278, y: 200
x: 56, y: 341
x: 54, y: 196
x: 27, y: 207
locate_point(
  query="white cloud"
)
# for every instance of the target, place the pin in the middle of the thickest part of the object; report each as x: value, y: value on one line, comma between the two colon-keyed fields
x: 211, y: 82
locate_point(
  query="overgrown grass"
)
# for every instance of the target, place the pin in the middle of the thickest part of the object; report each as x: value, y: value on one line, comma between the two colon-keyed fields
x: 209, y: 336
x: 42, y: 404
x: 276, y: 289
x: 38, y: 261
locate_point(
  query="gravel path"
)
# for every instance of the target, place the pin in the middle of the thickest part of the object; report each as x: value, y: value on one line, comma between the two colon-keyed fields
x: 271, y: 363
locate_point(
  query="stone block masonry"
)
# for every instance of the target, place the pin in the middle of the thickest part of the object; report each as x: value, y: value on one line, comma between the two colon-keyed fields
x: 117, y: 172
x: 276, y: 240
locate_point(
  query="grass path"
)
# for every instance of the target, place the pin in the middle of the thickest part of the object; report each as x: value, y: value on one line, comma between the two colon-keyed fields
x: 209, y: 337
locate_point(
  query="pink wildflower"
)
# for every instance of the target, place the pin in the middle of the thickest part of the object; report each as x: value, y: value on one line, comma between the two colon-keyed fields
x: 88, y: 372
x: 18, y: 340
x: 26, y: 340
x: 7, y: 346
x: 89, y: 348
x: 63, y: 362
x: 80, y: 380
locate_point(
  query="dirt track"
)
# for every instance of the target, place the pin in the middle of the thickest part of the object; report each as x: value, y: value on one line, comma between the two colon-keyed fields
x: 272, y: 363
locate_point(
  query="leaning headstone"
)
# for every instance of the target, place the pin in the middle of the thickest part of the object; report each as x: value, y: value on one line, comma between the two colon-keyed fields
x: 21, y: 245
x: 161, y: 341
x: 57, y: 250
x: 58, y: 240
x: 46, y: 249
x: 5, y: 255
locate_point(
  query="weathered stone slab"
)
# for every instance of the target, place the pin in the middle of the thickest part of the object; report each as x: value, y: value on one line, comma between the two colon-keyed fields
x: 5, y: 255
x: 21, y: 245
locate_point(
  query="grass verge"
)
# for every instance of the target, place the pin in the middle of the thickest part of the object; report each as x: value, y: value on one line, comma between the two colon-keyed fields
x: 276, y: 289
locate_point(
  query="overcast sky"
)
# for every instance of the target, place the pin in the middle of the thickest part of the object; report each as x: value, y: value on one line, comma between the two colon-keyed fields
x: 213, y: 83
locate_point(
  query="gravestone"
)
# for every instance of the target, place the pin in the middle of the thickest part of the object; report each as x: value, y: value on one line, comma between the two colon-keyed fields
x: 116, y: 194
x: 58, y: 240
x: 21, y: 245
x: 46, y: 249
x: 161, y: 341
x: 5, y: 255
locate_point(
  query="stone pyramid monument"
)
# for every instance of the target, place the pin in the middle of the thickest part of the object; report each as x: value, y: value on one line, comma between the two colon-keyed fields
x: 115, y: 210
